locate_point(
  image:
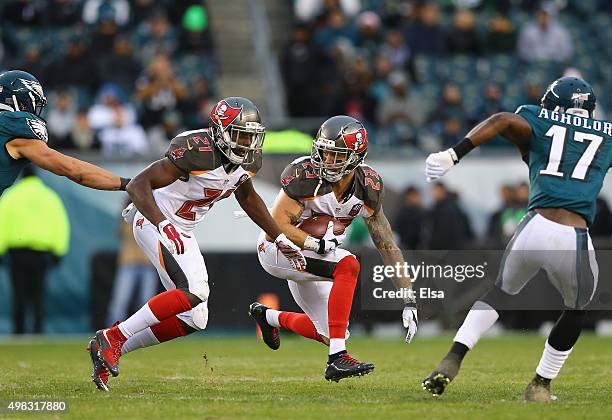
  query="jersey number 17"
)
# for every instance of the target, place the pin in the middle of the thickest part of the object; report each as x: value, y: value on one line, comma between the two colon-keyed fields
x: 558, y: 135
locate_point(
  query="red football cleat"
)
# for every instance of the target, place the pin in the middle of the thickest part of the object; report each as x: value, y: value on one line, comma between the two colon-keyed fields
x: 109, y: 343
x: 99, y: 374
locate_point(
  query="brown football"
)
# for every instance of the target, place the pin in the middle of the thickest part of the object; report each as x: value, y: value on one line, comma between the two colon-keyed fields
x: 316, y: 226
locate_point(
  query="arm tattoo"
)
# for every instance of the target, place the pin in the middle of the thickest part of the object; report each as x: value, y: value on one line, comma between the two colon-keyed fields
x: 382, y: 236
x: 294, y: 217
x: 381, y: 233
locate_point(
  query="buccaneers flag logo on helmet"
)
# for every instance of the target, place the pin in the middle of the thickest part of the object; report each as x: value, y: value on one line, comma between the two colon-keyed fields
x: 357, y: 141
x: 223, y: 114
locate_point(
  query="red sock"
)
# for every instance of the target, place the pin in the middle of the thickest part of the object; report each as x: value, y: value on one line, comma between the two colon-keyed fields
x: 299, y: 324
x: 341, y: 296
x: 168, y: 329
x: 169, y: 303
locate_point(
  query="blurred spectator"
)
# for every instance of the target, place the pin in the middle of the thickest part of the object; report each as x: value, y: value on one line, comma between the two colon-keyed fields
x: 94, y: 11
x: 452, y: 130
x: 21, y: 13
x: 448, y: 117
x: 399, y: 113
x: 198, y: 96
x: 159, y: 90
x: 522, y: 195
x: 356, y: 100
x: 490, y: 104
x: 61, y: 117
x: 120, y: 67
x: 410, y: 219
x: 82, y: 135
x: 298, y: 63
x: 75, y: 68
x: 135, y: 275
x: 115, y: 122
x: 501, y: 36
x: 103, y: 38
x: 306, y: 10
x: 504, y: 220
x: 423, y: 32
x: 63, y: 13
x: 398, y: 52
x: 337, y: 27
x: 160, y: 135
x: 194, y: 37
x: 545, y: 39
x: 532, y: 94
x: 445, y: 226
x: 602, y: 226
x: 380, y: 86
x: 369, y: 33
x: 141, y: 10
x: 35, y: 241
x: 463, y: 39
x: 33, y: 62
x: 156, y: 36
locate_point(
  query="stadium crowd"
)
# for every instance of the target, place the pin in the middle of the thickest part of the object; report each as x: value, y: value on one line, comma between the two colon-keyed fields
x: 121, y: 76
x: 421, y: 72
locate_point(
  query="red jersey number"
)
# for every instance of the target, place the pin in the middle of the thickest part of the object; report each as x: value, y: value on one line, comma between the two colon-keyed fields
x: 211, y: 196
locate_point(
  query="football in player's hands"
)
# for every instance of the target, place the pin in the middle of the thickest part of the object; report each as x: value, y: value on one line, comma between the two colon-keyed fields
x: 316, y: 226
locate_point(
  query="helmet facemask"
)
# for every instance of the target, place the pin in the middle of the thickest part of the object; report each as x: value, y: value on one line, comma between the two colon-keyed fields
x: 331, y: 162
x: 240, y: 144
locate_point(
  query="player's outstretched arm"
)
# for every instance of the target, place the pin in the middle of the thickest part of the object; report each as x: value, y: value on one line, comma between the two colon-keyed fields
x: 77, y: 170
x: 286, y: 212
x: 512, y: 127
x: 257, y: 210
x: 382, y: 236
x: 140, y: 189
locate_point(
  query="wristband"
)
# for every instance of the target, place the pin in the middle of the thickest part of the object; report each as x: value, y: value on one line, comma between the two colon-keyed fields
x: 124, y: 182
x: 312, y: 244
x: 462, y: 148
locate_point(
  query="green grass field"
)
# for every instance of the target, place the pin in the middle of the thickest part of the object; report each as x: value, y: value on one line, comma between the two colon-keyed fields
x: 213, y: 377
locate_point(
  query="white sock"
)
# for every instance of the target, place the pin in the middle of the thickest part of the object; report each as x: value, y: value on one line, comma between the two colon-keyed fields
x: 552, y: 361
x: 336, y: 345
x: 272, y: 317
x: 142, y: 319
x: 480, y: 318
x: 144, y: 338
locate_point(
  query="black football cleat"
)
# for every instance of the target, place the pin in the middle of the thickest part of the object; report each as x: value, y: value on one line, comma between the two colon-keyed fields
x: 538, y: 390
x: 270, y: 334
x: 345, y: 366
x: 443, y: 374
x: 99, y: 374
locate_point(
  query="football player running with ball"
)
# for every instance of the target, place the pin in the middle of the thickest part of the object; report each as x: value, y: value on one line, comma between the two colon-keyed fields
x: 170, y: 198
x: 332, y: 181
x: 568, y: 154
x: 23, y: 137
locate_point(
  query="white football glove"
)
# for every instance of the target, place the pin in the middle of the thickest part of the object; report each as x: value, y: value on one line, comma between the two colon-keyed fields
x: 437, y: 164
x: 329, y: 241
x: 291, y: 251
x: 172, y: 237
x: 129, y: 213
x: 411, y: 321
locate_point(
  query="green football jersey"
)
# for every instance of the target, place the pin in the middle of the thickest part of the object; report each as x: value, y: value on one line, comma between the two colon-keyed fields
x: 569, y: 156
x: 15, y: 125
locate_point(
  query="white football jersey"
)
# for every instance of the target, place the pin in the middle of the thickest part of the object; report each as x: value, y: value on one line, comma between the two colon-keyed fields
x: 206, y: 179
x: 365, y: 199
